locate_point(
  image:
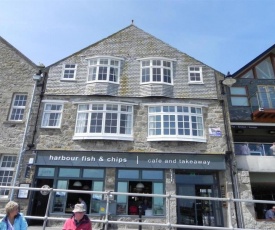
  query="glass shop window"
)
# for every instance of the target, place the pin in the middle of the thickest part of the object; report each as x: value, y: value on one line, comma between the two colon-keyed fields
x: 144, y: 182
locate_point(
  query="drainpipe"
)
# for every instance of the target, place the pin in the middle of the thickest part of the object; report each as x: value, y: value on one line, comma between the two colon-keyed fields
x: 232, y: 167
x: 37, y: 78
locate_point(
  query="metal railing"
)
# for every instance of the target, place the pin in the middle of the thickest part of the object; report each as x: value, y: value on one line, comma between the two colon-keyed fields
x: 254, y: 149
x: 109, y: 194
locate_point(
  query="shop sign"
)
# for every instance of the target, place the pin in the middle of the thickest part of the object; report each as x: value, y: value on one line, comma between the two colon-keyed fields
x: 131, y: 160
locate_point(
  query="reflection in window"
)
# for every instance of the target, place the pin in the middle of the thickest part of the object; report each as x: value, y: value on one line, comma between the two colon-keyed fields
x: 129, y: 204
x: 69, y: 172
x: 49, y: 172
x: 249, y: 74
x: 238, y: 96
x: 264, y: 70
x: 267, y: 96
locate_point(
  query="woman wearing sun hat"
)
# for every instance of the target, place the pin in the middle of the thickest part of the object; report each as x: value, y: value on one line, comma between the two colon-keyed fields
x: 79, y: 220
x: 13, y: 219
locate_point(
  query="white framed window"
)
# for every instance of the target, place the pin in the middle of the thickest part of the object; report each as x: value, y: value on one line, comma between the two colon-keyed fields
x: 52, y: 115
x: 7, y: 163
x: 156, y: 71
x: 195, y: 74
x: 175, y: 123
x: 104, y: 121
x: 18, y: 107
x: 69, y: 71
x: 104, y: 69
x: 238, y: 96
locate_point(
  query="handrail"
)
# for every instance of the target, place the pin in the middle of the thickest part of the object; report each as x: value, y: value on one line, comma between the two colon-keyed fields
x: 230, y: 202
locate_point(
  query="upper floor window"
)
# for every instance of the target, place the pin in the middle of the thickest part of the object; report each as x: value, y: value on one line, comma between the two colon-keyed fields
x: 195, y: 74
x: 18, y: 107
x: 7, y: 164
x: 104, y: 121
x: 52, y: 115
x: 169, y: 122
x: 69, y: 72
x: 264, y: 70
x: 238, y: 96
x: 266, y: 96
x: 104, y: 69
x: 156, y: 71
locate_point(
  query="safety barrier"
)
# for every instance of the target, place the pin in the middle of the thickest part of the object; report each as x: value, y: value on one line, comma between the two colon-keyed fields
x: 108, y: 194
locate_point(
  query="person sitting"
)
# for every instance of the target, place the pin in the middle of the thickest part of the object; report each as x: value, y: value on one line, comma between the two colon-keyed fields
x: 79, y: 220
x: 269, y: 215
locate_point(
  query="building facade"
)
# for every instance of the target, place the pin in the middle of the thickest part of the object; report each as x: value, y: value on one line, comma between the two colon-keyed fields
x: 17, y: 96
x: 132, y: 114
x: 252, y: 115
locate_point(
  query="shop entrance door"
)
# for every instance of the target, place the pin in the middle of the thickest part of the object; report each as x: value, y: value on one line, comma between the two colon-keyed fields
x: 196, y: 211
x: 39, y: 201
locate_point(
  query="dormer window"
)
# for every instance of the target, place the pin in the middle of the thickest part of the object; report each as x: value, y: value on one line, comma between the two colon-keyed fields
x: 105, y: 69
x: 156, y: 70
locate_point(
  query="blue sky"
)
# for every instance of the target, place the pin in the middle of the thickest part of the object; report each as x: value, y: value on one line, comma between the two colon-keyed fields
x: 224, y: 34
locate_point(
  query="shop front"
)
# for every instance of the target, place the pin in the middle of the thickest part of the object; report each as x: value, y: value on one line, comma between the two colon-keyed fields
x: 130, y: 172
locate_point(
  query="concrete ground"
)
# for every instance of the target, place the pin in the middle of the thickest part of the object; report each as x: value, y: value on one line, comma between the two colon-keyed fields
x: 47, y: 228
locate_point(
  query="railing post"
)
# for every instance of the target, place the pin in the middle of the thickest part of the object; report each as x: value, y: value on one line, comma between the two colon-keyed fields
x: 139, y: 216
x: 229, y: 211
x: 47, y: 209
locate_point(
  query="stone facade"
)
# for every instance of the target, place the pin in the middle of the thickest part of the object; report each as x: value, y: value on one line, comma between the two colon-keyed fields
x: 132, y: 44
x: 16, y: 73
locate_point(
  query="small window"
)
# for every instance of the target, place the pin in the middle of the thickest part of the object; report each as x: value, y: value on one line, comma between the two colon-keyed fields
x: 156, y: 71
x: 238, y: 96
x: 69, y: 72
x: 195, y: 74
x: 52, y: 115
x: 7, y: 164
x: 18, y: 107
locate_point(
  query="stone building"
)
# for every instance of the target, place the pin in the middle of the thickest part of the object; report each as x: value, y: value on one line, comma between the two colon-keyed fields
x: 130, y: 113
x: 252, y: 115
x: 16, y: 98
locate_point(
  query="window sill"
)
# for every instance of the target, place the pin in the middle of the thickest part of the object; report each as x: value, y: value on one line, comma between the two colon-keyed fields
x: 50, y: 127
x: 195, y: 83
x: 101, y: 137
x: 156, y: 83
x: 175, y: 138
x: 13, y: 122
x: 68, y: 80
x: 94, y: 82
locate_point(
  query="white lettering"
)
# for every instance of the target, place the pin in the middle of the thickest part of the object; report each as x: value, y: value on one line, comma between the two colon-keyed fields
x: 154, y: 161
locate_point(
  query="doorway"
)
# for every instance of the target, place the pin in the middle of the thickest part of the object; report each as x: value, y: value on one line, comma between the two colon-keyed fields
x: 196, y: 211
x: 39, y: 201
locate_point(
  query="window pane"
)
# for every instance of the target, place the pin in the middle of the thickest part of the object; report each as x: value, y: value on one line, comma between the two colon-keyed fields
x: 93, y: 173
x: 239, y: 101
x: 264, y: 70
x: 237, y: 91
x: 69, y: 172
x: 46, y: 171
x: 158, y: 202
x: 130, y: 174
x: 149, y: 174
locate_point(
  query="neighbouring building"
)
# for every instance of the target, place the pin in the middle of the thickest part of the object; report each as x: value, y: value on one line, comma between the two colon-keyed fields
x: 17, y: 97
x: 252, y: 115
x: 130, y: 113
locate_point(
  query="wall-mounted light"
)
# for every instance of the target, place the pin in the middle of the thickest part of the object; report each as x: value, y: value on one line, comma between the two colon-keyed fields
x: 228, y: 81
x: 77, y: 184
x: 271, y: 131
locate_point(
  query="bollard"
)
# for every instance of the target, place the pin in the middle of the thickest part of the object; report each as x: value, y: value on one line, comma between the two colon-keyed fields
x: 139, y: 215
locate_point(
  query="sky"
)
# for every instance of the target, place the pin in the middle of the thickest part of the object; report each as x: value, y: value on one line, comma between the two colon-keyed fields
x: 223, y: 34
